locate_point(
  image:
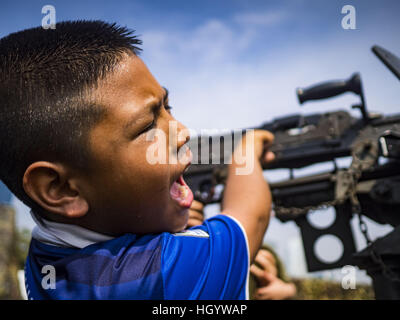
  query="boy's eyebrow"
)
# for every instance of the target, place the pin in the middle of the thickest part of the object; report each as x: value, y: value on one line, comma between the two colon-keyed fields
x: 152, y: 108
x: 166, y: 94
x: 155, y: 108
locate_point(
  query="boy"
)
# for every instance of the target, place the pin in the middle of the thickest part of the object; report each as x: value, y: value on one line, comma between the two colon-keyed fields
x: 77, y: 105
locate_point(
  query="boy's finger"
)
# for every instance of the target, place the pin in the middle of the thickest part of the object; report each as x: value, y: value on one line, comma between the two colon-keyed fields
x: 195, y: 215
x: 194, y: 223
x: 269, y: 157
x: 197, y: 205
x: 266, y: 135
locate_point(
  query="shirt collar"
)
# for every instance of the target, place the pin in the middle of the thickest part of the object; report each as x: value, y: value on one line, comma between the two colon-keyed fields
x: 64, y: 235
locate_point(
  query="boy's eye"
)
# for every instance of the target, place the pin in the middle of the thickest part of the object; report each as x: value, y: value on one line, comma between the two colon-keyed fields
x: 149, y: 127
x: 153, y: 123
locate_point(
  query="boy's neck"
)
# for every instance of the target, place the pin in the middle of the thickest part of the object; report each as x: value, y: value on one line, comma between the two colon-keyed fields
x: 63, y: 234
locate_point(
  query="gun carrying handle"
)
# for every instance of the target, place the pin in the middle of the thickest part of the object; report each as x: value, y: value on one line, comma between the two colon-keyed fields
x: 330, y: 89
x: 322, y: 91
x: 333, y: 88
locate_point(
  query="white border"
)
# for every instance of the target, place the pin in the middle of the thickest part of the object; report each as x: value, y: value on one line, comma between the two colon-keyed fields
x: 248, y: 252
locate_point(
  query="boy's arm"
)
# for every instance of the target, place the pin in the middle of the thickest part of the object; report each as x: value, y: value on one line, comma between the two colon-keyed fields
x: 247, y: 197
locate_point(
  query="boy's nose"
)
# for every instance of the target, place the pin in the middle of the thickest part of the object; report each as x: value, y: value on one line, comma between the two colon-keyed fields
x: 183, y: 135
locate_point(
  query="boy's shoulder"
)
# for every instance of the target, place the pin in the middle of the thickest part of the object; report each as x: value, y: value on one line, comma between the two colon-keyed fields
x: 120, y: 268
x: 180, y: 265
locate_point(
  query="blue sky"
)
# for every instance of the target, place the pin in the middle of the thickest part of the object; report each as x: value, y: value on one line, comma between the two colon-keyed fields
x: 236, y: 63
x: 243, y: 57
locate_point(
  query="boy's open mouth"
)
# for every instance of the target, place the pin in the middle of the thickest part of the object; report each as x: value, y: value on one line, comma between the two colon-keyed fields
x: 181, y: 193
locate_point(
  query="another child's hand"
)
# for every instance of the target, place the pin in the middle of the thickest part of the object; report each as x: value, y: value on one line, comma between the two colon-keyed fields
x: 266, y: 264
x: 196, y: 214
x: 276, y: 289
x: 270, y: 287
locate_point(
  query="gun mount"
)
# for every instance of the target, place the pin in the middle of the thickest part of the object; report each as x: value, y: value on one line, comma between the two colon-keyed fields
x: 367, y: 188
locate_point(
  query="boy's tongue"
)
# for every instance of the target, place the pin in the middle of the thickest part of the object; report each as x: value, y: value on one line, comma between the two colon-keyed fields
x: 181, y: 193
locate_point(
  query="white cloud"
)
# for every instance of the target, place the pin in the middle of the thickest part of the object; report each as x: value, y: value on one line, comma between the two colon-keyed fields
x: 214, y: 85
x: 265, y: 19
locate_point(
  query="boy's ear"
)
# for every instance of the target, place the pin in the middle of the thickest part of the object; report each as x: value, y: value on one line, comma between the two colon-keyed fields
x: 54, y: 189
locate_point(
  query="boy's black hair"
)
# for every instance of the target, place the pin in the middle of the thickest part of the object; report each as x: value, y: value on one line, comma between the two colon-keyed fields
x: 45, y: 80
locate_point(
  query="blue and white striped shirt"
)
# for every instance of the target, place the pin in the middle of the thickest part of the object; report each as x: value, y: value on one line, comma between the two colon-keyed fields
x: 210, y: 261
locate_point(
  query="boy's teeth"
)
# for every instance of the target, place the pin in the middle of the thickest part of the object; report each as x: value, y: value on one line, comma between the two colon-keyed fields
x: 181, y: 192
x: 184, y: 191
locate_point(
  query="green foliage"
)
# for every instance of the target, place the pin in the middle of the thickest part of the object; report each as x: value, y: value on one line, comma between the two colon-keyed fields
x: 22, y: 246
x: 9, y: 288
x: 317, y: 289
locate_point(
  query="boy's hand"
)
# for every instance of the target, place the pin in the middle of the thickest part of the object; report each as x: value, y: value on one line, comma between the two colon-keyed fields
x: 196, y: 214
x: 247, y: 196
x: 262, y: 141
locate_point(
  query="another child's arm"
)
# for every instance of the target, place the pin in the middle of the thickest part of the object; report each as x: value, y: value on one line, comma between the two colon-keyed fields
x: 247, y: 197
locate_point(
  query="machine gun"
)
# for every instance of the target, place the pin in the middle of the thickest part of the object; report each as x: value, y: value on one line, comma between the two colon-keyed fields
x: 368, y: 187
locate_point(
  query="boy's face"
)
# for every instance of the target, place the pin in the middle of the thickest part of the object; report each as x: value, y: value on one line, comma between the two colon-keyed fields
x: 125, y: 192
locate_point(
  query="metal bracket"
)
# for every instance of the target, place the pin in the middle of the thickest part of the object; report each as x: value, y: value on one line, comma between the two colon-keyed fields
x: 340, y: 228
